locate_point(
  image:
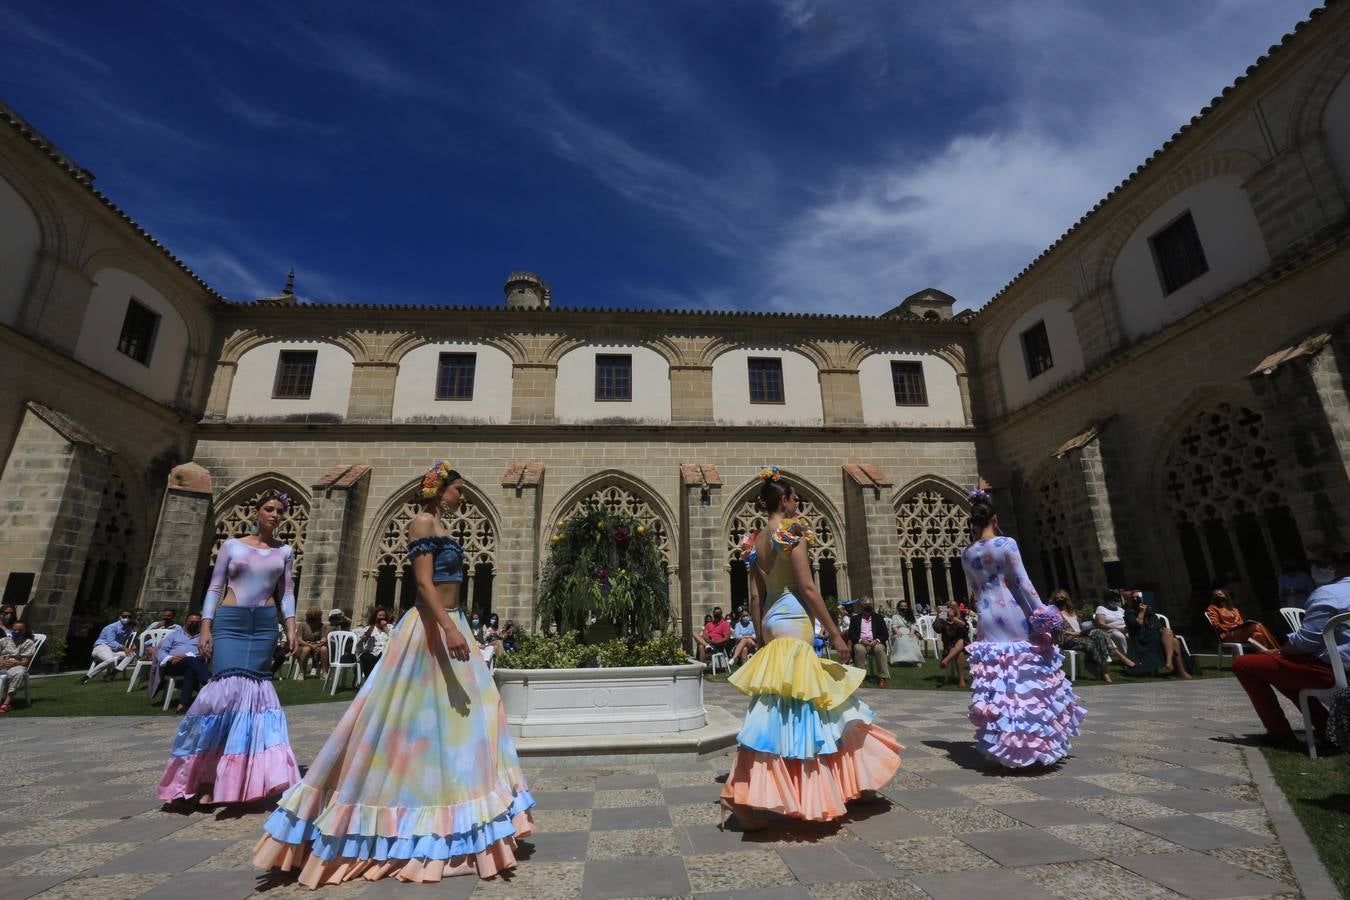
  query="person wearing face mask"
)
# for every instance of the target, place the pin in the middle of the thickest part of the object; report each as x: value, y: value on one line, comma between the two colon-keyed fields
x: 7, y: 619
x: 370, y: 646
x: 16, y: 652
x: 1110, y: 617
x: 743, y: 633
x: 113, y: 650
x: 179, y: 656
x: 867, y: 636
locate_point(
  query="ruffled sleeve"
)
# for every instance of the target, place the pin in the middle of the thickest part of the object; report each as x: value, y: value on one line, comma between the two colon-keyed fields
x: 748, y: 551
x: 792, y: 532
x: 429, y: 544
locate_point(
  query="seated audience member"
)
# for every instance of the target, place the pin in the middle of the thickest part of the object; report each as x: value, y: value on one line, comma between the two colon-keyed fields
x: 509, y: 636
x: 113, y: 650
x: 7, y: 619
x: 310, y: 645
x: 1228, y: 622
x: 1092, y: 643
x: 492, y: 635
x: 166, y: 623
x: 701, y: 637
x: 743, y: 633
x: 1301, y: 663
x: 1110, y: 618
x: 370, y: 645
x: 867, y: 636
x: 337, y: 621
x: 281, y: 652
x: 1153, y: 647
x: 954, y: 631
x: 1295, y: 585
x: 820, y: 641
x: 180, y: 658
x: 716, y: 636
x: 906, y: 650
x: 16, y: 653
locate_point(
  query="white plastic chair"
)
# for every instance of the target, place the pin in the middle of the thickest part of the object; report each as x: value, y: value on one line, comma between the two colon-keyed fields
x: 1235, y: 649
x: 38, y: 641
x: 713, y: 660
x: 1167, y: 623
x: 1293, y: 617
x: 170, y: 685
x: 1338, y: 676
x: 1071, y: 657
x: 340, y: 644
x: 927, y: 635
x: 148, y: 640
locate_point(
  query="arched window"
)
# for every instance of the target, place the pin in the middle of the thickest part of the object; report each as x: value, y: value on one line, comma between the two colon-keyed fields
x: 471, y: 528
x: 1051, y: 518
x: 1224, y: 492
x: 932, y: 529
x: 823, y: 555
x: 619, y: 499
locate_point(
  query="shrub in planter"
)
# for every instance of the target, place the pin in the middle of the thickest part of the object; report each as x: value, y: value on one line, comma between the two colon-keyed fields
x: 564, y: 651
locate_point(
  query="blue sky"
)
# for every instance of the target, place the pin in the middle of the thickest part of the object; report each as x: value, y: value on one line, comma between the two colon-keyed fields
x: 725, y: 154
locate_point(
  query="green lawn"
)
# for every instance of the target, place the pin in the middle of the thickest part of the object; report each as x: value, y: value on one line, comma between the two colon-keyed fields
x: 1319, y: 792
x: 62, y: 695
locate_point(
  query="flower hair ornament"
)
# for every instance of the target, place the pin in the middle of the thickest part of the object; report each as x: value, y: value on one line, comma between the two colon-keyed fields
x: 284, y: 499
x: 770, y: 473
x: 980, y: 495
x: 435, y: 478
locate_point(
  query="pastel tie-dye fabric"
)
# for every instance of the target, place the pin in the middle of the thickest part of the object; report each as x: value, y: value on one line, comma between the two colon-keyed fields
x: 419, y: 780
x: 1023, y: 708
x: 808, y: 745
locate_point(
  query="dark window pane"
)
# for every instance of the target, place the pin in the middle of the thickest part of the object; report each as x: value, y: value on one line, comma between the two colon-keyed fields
x: 1179, y: 255
x: 1036, y: 350
x: 614, y: 377
x: 454, y: 377
x: 907, y: 382
x: 295, y: 374
x: 138, y: 332
x: 766, y: 380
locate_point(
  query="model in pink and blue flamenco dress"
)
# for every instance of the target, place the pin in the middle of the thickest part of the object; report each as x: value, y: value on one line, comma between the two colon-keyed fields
x: 1023, y: 708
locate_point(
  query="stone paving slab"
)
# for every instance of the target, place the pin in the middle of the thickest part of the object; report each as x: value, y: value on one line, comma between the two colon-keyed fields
x: 1156, y: 801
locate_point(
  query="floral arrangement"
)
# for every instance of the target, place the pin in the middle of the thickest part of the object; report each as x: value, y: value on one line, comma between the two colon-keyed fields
x: 1046, y: 622
x: 606, y: 563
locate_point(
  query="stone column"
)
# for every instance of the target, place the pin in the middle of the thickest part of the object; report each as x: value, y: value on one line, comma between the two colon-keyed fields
x: 691, y: 394
x: 841, y: 396
x: 874, y: 559
x: 218, y: 401
x: 372, y: 394
x: 532, y: 393
x: 333, y: 540
x: 50, y: 495
x: 704, y: 555
x: 171, y: 574
x: 520, y: 537
x: 1303, y: 395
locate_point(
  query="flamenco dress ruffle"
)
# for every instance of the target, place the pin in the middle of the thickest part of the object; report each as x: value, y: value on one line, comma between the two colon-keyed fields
x: 1023, y: 708
x: 808, y: 746
x: 419, y: 781
x: 232, y: 745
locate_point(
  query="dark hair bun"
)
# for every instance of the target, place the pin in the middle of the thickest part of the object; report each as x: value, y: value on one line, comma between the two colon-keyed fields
x: 771, y: 495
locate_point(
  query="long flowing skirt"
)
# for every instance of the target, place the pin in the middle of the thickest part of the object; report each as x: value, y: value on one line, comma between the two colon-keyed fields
x: 1023, y: 708
x: 419, y: 780
x: 233, y: 744
x: 808, y: 746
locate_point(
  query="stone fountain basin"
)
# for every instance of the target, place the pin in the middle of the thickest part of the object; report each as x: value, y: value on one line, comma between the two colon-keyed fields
x: 547, y: 703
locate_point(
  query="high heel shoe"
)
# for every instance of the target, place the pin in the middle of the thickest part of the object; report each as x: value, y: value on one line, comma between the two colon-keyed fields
x: 743, y: 818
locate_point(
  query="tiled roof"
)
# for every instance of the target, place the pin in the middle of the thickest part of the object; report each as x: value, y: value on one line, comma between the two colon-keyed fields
x: 1184, y: 129
x: 85, y: 177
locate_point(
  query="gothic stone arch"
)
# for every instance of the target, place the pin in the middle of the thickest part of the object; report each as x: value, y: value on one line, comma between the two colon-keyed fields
x: 234, y: 518
x: 932, y: 528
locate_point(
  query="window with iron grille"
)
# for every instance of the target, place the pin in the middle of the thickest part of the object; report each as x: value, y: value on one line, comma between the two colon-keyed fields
x: 454, y: 376
x: 908, y: 384
x: 1178, y: 254
x: 295, y: 374
x: 1036, y: 350
x: 766, y: 380
x: 138, y: 332
x: 614, y: 377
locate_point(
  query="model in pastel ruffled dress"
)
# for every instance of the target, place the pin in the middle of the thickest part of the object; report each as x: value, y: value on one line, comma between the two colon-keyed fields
x: 420, y: 778
x: 808, y: 745
x: 1023, y: 707
x: 232, y: 746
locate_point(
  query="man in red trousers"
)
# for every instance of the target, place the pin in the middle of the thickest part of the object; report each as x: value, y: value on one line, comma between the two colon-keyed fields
x: 1302, y: 662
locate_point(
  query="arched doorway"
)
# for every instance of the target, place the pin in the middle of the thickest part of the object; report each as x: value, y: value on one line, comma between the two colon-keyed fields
x: 1053, y: 506
x: 824, y: 555
x: 471, y: 528
x: 235, y: 519
x: 932, y: 528
x: 1224, y: 490
x: 111, y: 570
x: 617, y: 498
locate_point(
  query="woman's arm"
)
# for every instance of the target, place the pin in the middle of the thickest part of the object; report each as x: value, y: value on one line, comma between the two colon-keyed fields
x: 288, y: 597
x: 1019, y: 583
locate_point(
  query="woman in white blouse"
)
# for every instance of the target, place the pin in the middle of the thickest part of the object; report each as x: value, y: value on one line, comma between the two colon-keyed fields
x: 370, y: 646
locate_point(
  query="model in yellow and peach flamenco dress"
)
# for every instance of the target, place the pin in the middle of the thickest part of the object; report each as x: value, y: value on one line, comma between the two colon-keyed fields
x: 808, y: 745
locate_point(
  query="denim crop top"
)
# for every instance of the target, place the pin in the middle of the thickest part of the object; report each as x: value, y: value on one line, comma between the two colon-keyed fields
x: 447, y: 563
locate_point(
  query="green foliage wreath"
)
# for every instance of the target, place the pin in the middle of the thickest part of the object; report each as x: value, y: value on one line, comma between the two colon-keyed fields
x: 607, y: 563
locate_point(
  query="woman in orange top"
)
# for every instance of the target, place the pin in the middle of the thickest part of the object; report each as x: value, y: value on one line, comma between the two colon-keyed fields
x: 1227, y: 618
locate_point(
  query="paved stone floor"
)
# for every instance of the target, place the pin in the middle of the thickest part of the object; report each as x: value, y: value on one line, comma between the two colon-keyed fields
x: 1153, y: 803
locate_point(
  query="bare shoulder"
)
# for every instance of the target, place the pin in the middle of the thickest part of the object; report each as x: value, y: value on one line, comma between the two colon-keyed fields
x: 422, y: 525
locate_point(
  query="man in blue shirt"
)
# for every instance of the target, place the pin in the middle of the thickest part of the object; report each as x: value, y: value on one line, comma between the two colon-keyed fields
x: 1302, y: 663
x: 179, y: 656
x: 113, y: 648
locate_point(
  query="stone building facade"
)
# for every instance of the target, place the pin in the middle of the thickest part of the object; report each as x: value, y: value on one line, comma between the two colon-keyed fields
x: 1159, y: 399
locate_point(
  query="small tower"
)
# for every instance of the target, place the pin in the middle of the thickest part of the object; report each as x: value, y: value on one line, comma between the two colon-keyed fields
x: 526, y: 290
